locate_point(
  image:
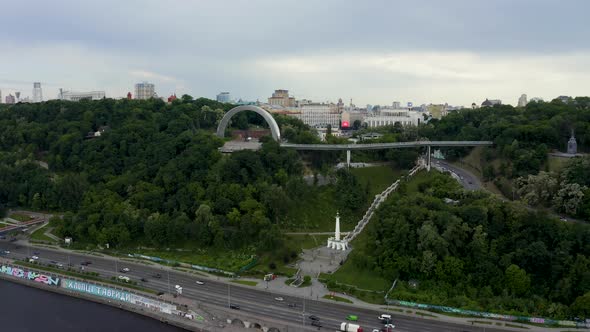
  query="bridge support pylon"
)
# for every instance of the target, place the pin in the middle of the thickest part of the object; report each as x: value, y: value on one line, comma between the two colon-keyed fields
x: 348, y: 158
x: 428, y: 159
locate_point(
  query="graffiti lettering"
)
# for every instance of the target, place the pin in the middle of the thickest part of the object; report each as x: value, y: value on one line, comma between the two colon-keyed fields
x: 29, y: 275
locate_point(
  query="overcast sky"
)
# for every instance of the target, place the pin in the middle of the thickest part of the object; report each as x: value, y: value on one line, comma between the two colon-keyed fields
x: 373, y: 51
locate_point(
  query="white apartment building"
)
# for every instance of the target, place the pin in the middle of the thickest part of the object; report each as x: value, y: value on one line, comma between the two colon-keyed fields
x: 320, y: 115
x: 77, y: 96
x: 145, y: 90
x: 389, y: 117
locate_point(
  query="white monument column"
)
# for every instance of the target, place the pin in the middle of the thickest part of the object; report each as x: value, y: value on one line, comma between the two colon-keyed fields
x: 337, y: 232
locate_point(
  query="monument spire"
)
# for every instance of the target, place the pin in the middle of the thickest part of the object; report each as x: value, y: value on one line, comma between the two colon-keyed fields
x: 337, y: 231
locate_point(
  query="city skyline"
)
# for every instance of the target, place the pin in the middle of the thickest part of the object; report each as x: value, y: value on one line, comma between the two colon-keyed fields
x: 457, y: 52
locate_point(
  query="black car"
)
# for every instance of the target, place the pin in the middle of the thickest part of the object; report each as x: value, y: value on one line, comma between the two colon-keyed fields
x: 313, y: 317
x: 234, y: 306
x: 316, y: 323
x: 292, y: 305
x: 160, y: 293
x: 143, y: 279
x: 157, y: 276
x: 86, y: 263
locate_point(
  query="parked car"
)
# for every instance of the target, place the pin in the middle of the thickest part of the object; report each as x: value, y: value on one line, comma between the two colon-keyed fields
x: 59, y: 265
x: 35, y: 257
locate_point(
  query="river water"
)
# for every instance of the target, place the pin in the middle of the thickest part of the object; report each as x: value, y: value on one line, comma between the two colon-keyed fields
x: 30, y: 309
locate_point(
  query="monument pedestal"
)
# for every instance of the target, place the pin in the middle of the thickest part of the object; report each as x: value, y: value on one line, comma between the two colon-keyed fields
x: 335, y: 242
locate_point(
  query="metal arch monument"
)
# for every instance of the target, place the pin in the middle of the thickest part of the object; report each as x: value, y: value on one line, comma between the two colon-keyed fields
x: 274, y: 127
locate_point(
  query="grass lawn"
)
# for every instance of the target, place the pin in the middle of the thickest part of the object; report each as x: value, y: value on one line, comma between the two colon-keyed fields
x: 19, y: 217
x: 40, y: 236
x: 225, y: 259
x: 336, y: 298
x: 379, y: 177
x: 306, y: 241
x: 555, y: 164
x: 316, y: 212
x: 363, y: 279
x: 245, y: 282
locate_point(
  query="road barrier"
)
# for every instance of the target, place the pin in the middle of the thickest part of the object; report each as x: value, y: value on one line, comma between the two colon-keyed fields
x: 490, y: 315
x: 171, y: 262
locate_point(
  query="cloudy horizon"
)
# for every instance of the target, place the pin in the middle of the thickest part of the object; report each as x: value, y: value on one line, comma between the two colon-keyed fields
x: 373, y: 52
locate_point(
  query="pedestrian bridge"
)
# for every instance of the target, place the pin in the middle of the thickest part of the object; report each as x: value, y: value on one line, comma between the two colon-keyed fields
x: 381, y: 146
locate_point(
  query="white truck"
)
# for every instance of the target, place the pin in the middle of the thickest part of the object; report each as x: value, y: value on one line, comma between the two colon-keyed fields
x: 348, y: 327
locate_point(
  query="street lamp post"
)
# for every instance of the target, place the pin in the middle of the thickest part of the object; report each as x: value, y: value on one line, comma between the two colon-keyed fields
x: 228, y: 295
x: 168, y: 273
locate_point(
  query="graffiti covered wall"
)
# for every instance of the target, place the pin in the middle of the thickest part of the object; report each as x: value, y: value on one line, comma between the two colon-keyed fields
x: 29, y: 275
x: 118, y: 295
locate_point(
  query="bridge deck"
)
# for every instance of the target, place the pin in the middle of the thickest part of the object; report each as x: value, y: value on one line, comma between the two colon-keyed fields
x: 379, y: 146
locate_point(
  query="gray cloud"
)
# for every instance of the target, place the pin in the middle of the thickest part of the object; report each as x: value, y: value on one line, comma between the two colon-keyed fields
x: 200, y: 47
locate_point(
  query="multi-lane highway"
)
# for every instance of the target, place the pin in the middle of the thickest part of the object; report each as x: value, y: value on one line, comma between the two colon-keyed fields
x: 253, y: 301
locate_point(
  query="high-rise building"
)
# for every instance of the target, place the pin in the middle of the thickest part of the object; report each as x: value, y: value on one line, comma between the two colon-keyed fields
x: 10, y: 99
x: 0, y: 96
x: 77, y: 96
x: 224, y: 97
x: 145, y: 90
x: 396, y: 105
x: 17, y: 96
x: 37, y: 93
x: 522, y: 100
x: 281, y: 98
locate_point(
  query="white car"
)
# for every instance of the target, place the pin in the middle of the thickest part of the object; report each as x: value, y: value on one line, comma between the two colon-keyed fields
x: 35, y: 257
x: 389, y: 326
x: 125, y: 270
x: 200, y: 282
x: 279, y: 298
x: 123, y: 278
x: 7, y: 252
x: 177, y: 287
